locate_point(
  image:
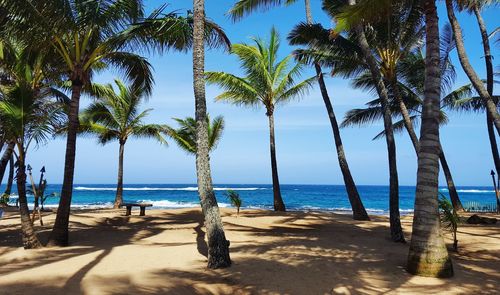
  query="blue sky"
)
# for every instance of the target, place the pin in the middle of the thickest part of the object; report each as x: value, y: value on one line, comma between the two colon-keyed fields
x: 306, y: 153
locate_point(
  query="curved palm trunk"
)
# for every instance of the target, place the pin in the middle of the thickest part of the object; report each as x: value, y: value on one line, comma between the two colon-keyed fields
x: 59, y: 234
x: 7, y: 154
x: 464, y: 61
x: 119, y: 187
x: 279, y: 205
x: 394, y: 217
x: 10, y: 180
x: 30, y: 240
x: 428, y: 255
x: 358, y: 209
x: 452, y: 190
x: 489, y: 85
x: 218, y: 246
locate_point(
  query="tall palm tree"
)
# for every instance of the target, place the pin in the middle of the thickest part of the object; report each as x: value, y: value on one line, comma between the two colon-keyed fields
x: 116, y: 116
x: 428, y: 255
x: 29, y: 116
x: 411, y: 89
x: 475, y: 7
x: 406, y: 84
x: 491, y: 106
x: 185, y: 134
x: 359, y: 213
x: 218, y: 246
x: 349, y: 14
x: 268, y: 82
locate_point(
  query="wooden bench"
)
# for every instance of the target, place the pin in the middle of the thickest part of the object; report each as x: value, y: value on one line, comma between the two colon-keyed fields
x: 142, y: 206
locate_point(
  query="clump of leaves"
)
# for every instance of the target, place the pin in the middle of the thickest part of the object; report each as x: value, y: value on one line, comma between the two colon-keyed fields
x: 449, y: 219
x: 4, y: 199
x: 235, y: 200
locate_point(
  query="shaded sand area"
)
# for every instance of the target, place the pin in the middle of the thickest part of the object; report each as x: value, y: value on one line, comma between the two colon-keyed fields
x: 293, y: 253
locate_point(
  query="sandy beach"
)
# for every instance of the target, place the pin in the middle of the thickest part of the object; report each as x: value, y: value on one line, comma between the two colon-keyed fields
x: 293, y: 253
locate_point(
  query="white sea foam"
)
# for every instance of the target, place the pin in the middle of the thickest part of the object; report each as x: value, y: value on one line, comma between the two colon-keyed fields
x: 472, y: 191
x: 477, y: 191
x: 189, y: 188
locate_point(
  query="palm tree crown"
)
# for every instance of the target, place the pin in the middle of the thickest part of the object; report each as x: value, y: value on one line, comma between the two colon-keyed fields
x: 185, y: 135
x: 116, y: 115
x: 267, y: 81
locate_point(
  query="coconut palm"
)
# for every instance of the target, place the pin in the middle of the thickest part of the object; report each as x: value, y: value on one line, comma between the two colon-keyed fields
x: 428, y: 255
x: 476, y: 7
x: 185, y: 134
x: 116, y: 116
x: 29, y: 116
x: 268, y: 82
x: 243, y: 7
x: 406, y: 93
x: 218, y: 246
x: 348, y: 19
x: 484, y: 93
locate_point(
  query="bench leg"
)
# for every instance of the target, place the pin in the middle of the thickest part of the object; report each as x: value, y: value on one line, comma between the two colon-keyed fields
x: 129, y: 209
x: 143, y: 211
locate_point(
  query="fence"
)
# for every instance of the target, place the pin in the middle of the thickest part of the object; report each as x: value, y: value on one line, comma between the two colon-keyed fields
x: 480, y: 207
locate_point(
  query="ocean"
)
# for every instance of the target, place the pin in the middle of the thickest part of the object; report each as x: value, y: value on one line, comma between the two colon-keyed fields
x: 255, y: 196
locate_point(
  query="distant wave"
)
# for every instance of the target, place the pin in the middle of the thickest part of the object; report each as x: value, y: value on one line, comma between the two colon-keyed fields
x: 189, y: 188
x: 472, y: 191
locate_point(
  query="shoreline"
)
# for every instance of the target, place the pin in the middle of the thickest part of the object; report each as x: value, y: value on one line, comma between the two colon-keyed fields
x: 164, y: 252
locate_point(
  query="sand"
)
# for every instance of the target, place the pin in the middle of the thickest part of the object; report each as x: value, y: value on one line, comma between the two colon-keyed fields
x: 293, y: 253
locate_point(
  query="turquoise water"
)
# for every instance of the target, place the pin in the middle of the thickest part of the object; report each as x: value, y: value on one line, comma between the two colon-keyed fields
x: 296, y: 197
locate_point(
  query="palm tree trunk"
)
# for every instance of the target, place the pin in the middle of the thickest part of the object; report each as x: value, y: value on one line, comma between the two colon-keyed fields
x: 493, y: 142
x: 7, y: 154
x: 394, y: 217
x: 10, y: 180
x: 279, y: 205
x: 489, y: 85
x: 428, y: 255
x: 30, y: 240
x: 452, y: 190
x: 218, y: 246
x: 119, y: 187
x: 358, y: 209
x: 59, y: 234
x: 406, y: 115
x: 464, y: 60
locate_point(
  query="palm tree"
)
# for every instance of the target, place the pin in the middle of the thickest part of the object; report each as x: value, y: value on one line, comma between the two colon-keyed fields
x: 486, y: 96
x: 185, y: 134
x: 28, y: 116
x: 428, y: 255
x: 268, y: 82
x: 406, y: 92
x: 476, y: 6
x: 345, y: 15
x: 218, y: 246
x: 116, y: 116
x: 359, y: 213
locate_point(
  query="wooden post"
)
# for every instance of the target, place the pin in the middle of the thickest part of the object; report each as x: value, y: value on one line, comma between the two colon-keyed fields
x: 143, y: 211
x: 129, y: 210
